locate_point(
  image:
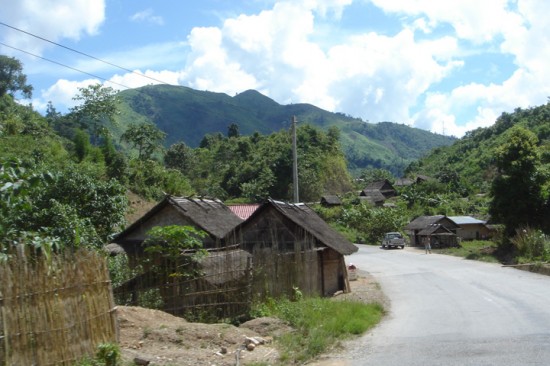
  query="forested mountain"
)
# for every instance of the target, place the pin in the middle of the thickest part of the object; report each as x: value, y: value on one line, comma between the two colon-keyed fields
x: 473, y: 158
x: 186, y: 115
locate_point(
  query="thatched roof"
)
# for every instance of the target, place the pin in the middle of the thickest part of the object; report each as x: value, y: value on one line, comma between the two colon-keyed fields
x: 209, y: 215
x: 435, y: 229
x: 403, y: 182
x: 304, y: 217
x: 383, y: 187
x: 423, y: 222
x: 331, y: 200
x: 374, y: 197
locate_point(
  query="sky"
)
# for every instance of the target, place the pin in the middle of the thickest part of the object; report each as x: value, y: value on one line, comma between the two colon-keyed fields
x: 444, y: 66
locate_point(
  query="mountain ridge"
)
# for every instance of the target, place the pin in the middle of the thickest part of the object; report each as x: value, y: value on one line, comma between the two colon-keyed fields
x: 187, y: 115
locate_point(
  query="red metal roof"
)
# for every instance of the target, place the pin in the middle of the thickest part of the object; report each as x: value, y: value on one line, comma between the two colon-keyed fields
x: 244, y: 211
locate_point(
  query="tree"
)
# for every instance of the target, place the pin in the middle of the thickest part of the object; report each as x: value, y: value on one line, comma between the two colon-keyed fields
x: 233, y: 130
x: 145, y: 137
x: 180, y: 156
x: 12, y: 79
x: 81, y: 144
x: 517, y: 191
x: 99, y: 107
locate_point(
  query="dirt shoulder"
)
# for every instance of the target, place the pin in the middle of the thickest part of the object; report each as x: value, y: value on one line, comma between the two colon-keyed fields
x: 163, y: 339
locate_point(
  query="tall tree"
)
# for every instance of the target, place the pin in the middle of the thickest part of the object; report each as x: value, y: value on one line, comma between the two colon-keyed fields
x: 12, y: 79
x: 99, y: 107
x: 517, y: 191
x: 145, y: 137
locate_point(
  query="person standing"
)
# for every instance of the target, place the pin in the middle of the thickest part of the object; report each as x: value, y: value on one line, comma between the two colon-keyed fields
x: 427, y: 245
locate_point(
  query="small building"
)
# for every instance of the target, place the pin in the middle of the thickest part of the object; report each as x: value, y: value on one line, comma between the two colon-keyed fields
x: 375, y: 198
x: 330, y: 201
x: 293, y: 248
x: 438, y: 229
x: 471, y: 228
x: 382, y: 186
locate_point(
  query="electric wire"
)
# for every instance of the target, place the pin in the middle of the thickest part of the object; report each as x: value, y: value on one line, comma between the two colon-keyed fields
x: 80, y: 53
x: 67, y: 66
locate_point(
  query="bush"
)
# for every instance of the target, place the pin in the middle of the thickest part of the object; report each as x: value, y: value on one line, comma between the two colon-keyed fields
x: 531, y: 245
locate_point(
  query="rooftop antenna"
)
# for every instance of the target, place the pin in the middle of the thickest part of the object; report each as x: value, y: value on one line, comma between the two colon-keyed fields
x: 294, y: 161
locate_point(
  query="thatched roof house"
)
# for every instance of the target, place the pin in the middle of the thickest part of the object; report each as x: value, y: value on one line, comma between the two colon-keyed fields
x: 382, y: 186
x: 209, y: 215
x: 439, y: 230
x: 292, y: 246
x: 330, y: 200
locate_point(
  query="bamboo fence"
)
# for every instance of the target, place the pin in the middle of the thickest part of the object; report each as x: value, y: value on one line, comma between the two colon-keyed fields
x: 54, y: 312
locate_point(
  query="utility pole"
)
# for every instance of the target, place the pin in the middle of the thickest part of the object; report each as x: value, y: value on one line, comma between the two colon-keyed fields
x: 294, y: 161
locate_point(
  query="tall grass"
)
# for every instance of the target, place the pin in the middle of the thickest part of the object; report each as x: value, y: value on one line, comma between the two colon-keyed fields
x: 319, y: 324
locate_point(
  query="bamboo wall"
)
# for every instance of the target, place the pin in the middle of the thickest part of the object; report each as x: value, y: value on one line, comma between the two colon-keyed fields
x: 57, y: 312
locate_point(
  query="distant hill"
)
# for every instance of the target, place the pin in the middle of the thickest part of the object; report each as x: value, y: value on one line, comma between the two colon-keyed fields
x: 187, y: 115
x: 472, y: 157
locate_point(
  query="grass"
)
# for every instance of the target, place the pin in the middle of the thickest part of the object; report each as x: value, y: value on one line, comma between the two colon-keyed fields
x: 480, y: 250
x: 319, y: 324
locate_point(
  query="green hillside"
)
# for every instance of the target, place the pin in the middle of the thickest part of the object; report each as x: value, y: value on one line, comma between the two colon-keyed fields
x: 473, y: 157
x: 185, y: 114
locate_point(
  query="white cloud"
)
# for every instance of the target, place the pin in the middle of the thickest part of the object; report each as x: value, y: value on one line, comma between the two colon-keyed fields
x: 63, y: 91
x: 147, y: 16
x: 52, y: 20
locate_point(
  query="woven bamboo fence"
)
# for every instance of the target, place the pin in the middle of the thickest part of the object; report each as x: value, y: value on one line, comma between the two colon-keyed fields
x: 54, y: 312
x: 219, y: 289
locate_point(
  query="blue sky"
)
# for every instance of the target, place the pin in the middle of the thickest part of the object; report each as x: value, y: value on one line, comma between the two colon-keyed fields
x: 444, y: 66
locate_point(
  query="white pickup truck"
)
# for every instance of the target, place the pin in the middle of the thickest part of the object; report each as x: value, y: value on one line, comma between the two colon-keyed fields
x: 393, y: 240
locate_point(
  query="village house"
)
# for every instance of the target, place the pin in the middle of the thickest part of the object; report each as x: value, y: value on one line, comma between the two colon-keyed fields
x: 330, y: 201
x: 439, y: 230
x: 185, y: 284
x: 293, y: 249
x: 471, y: 228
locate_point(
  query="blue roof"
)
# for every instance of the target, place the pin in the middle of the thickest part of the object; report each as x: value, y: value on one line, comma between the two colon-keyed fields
x: 465, y: 220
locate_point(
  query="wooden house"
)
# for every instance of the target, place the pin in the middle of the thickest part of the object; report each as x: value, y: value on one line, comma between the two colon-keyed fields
x: 471, y: 228
x: 293, y: 248
x: 382, y: 186
x: 215, y: 284
x: 439, y: 230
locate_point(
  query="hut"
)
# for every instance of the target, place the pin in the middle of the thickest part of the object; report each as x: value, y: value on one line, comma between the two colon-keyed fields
x: 330, y: 200
x: 216, y: 283
x: 381, y: 186
x: 439, y: 230
x: 293, y: 248
x: 244, y: 210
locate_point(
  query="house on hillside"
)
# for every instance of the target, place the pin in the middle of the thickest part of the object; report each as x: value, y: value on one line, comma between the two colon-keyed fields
x: 381, y: 186
x: 439, y: 230
x: 330, y: 201
x: 293, y: 248
x: 471, y: 228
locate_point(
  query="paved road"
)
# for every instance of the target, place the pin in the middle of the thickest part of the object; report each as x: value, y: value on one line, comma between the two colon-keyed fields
x: 450, y: 311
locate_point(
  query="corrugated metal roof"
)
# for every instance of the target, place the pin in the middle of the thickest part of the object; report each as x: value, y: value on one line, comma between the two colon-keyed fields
x: 244, y: 210
x: 466, y: 220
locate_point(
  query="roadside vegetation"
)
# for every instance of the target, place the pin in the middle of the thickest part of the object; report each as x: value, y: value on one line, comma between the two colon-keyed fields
x: 319, y: 324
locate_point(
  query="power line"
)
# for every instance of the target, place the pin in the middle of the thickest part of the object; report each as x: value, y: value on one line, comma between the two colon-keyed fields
x: 67, y: 66
x: 80, y: 53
